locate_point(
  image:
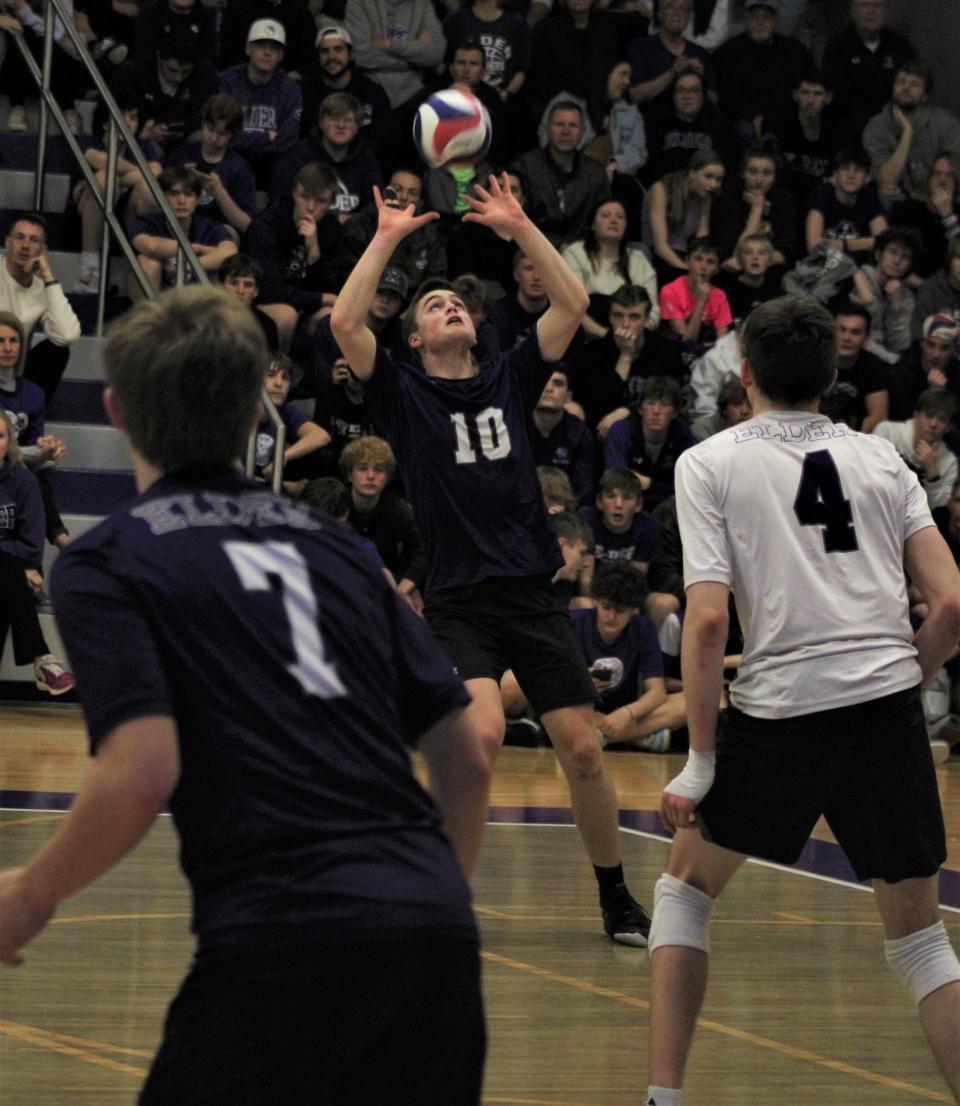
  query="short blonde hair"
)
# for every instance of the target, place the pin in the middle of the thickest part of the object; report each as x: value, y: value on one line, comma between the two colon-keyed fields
x: 186, y: 370
x: 368, y: 450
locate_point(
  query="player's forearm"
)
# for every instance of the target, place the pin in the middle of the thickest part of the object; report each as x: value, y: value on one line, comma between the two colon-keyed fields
x: 123, y: 794
x: 459, y: 780
x: 360, y: 287
x: 701, y: 664
x: 937, y: 638
x: 560, y: 282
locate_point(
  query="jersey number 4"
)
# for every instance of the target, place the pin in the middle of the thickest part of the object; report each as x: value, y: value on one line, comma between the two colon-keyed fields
x: 255, y: 563
x: 820, y: 502
x: 492, y: 434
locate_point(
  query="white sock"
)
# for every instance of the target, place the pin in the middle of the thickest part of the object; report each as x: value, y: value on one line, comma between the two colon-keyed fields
x: 664, y: 1096
x: 90, y: 260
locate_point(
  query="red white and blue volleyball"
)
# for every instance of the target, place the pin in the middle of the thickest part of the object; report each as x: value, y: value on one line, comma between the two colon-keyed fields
x: 452, y: 126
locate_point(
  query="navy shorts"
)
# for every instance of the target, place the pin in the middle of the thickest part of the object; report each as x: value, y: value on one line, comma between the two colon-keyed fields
x: 516, y: 622
x: 866, y: 768
x: 393, y: 1021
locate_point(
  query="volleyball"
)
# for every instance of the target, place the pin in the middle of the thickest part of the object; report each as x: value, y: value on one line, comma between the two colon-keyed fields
x: 451, y: 126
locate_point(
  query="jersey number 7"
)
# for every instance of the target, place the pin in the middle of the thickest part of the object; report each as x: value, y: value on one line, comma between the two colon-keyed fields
x: 820, y: 502
x: 255, y: 563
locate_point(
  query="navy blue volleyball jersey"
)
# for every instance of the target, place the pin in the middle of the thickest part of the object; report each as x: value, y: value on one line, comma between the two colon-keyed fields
x: 297, y: 680
x: 464, y: 451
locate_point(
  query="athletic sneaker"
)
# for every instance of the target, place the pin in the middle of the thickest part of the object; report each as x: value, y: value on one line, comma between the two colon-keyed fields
x: 940, y: 750
x: 17, y: 118
x: 88, y: 281
x: 658, y: 742
x: 51, y: 676
x: 628, y: 923
x: 115, y: 52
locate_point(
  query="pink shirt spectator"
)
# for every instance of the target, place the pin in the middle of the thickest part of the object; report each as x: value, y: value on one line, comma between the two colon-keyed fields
x: 677, y: 303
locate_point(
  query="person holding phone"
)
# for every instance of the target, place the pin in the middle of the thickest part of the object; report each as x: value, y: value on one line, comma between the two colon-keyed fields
x: 171, y: 93
x: 620, y: 645
x: 229, y: 193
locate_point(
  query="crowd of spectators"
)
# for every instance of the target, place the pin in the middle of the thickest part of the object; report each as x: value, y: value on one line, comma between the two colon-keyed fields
x: 691, y: 160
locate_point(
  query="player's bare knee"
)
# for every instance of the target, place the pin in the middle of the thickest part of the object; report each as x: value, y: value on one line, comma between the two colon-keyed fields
x: 924, y: 961
x: 681, y: 916
x: 490, y: 732
x: 584, y: 757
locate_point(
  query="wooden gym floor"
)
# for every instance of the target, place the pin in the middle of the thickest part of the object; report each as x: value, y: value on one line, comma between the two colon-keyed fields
x: 801, y: 1009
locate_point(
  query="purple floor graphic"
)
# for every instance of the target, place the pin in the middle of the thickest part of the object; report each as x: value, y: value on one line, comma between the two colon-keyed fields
x: 820, y: 858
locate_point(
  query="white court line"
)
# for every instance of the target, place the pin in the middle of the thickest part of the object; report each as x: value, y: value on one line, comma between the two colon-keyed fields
x: 750, y: 859
x: 623, y: 829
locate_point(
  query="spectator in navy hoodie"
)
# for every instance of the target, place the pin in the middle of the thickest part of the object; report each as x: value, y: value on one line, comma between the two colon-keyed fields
x: 21, y: 548
x: 299, y: 244
x: 170, y: 92
x: 335, y: 141
x: 272, y: 102
x: 650, y: 439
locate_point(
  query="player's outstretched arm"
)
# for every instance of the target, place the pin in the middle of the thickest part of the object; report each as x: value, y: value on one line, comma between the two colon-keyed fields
x: 496, y: 207
x: 135, y: 771
x: 931, y: 567
x: 459, y: 773
x: 348, y: 321
x: 705, y: 628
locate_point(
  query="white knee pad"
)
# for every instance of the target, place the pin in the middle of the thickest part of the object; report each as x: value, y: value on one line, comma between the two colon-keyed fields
x: 924, y: 961
x: 681, y: 915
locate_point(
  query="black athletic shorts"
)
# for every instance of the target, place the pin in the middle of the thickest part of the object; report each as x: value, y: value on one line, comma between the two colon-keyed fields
x: 390, y: 1023
x: 867, y: 768
x: 516, y: 622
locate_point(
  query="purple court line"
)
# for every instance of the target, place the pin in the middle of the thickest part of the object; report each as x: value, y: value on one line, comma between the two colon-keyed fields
x: 819, y: 858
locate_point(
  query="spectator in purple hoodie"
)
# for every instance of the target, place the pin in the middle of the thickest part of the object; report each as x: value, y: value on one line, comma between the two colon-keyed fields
x: 272, y: 102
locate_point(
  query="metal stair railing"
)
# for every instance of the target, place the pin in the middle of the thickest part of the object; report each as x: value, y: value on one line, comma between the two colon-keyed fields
x: 106, y: 199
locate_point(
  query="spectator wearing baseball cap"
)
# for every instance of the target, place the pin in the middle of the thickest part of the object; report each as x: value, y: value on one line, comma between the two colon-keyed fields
x: 271, y: 100
x: 292, y: 15
x: 383, y: 318
x: 931, y: 362
x: 333, y: 68
x: 941, y: 292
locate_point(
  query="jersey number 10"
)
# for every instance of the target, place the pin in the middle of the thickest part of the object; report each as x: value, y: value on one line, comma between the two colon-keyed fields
x: 820, y: 502
x: 491, y: 431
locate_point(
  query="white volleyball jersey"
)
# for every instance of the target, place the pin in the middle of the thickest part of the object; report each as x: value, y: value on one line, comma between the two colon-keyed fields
x: 805, y: 521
